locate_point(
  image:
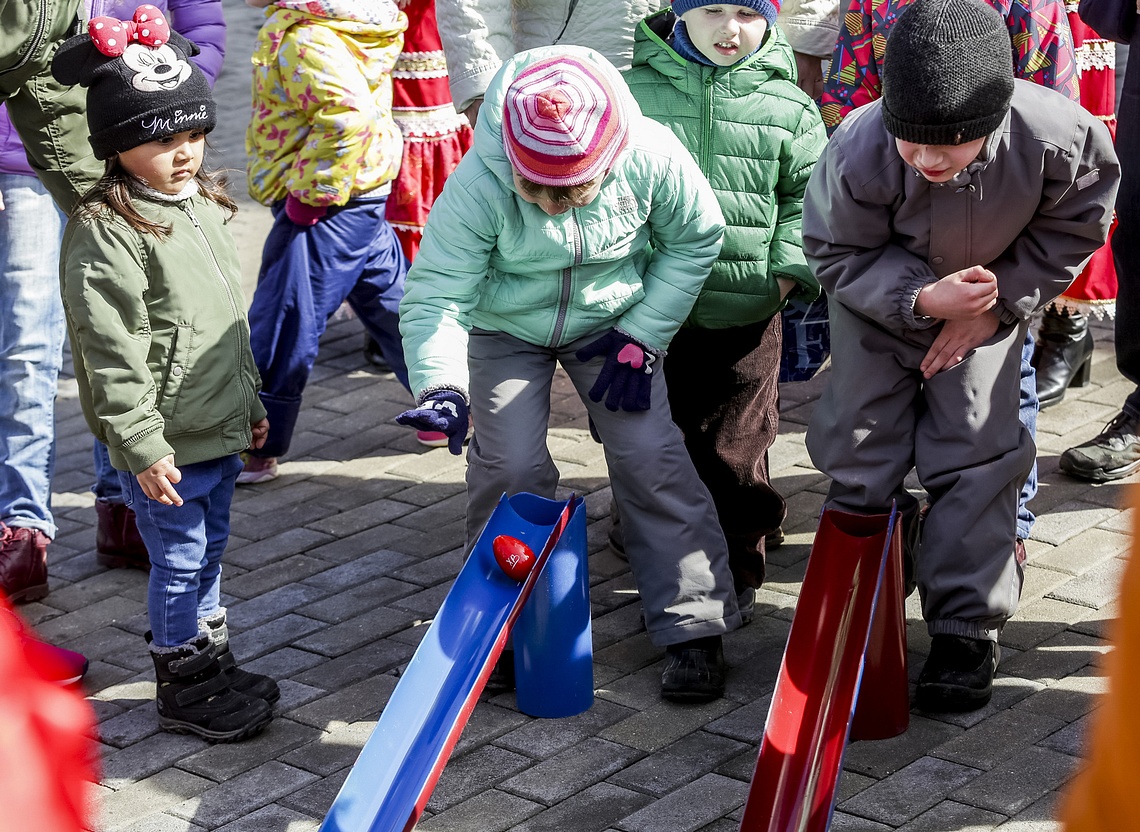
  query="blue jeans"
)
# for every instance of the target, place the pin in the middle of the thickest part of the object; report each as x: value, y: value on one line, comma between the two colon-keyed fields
x: 351, y: 255
x: 185, y: 543
x: 106, y: 485
x: 31, y: 350
x: 1027, y: 415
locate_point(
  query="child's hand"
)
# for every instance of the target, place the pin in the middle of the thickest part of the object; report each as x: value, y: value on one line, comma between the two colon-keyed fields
x: 787, y: 285
x: 157, y: 481
x: 961, y: 296
x: 260, y: 433
x: 955, y: 340
x: 302, y: 213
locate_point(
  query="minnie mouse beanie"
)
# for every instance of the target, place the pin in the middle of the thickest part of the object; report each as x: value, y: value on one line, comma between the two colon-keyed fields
x: 947, y: 72
x: 564, y: 122
x: 768, y: 9
x: 140, y: 84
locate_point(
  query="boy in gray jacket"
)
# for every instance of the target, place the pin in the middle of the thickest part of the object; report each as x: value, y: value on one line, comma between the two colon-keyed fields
x: 938, y: 220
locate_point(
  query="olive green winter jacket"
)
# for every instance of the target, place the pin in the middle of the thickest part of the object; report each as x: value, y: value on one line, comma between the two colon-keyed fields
x: 756, y: 136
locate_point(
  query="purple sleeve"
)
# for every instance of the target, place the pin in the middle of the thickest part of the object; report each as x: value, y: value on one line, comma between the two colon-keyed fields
x: 201, y: 21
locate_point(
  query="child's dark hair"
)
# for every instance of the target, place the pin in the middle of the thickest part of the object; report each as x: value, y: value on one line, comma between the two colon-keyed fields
x: 571, y: 195
x: 113, y: 192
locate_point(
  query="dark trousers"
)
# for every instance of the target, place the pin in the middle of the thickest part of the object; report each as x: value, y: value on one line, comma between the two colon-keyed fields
x: 724, y: 396
x: 1126, y: 240
x: 351, y: 255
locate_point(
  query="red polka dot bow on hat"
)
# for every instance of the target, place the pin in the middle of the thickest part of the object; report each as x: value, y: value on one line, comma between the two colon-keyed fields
x: 111, y: 36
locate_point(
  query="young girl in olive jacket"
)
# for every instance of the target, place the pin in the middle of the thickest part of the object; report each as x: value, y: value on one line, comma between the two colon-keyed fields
x: 151, y: 288
x: 722, y: 78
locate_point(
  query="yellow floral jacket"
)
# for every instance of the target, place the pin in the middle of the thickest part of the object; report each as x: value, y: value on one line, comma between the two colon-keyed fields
x: 322, y: 127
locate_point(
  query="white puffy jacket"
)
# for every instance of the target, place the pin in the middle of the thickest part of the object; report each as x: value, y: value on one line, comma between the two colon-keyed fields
x: 479, y: 35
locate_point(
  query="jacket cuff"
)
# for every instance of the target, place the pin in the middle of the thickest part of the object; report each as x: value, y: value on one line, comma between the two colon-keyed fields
x: 908, y: 296
x: 1007, y: 315
x: 439, y: 388
x: 472, y: 84
x: 143, y: 451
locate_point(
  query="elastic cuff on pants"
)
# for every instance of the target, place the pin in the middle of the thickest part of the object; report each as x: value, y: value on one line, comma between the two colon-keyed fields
x: 965, y: 629
x: 698, y: 629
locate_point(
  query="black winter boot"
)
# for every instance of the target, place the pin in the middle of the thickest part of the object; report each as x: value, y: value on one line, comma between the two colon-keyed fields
x: 194, y: 697
x: 1064, y: 355
x: 695, y: 671
x: 251, y: 684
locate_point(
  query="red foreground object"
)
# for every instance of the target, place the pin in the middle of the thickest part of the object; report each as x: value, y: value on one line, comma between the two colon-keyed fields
x: 849, y: 623
x: 46, y: 758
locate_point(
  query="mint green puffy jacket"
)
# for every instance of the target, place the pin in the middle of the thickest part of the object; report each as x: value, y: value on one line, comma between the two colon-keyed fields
x: 635, y: 258
x: 756, y: 136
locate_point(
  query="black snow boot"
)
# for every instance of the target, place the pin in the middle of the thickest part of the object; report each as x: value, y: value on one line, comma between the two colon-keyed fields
x: 1064, y: 355
x: 251, y: 684
x: 194, y: 697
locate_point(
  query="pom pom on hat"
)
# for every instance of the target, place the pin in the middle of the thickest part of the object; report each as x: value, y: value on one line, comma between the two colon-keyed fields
x: 947, y: 72
x: 768, y: 9
x: 563, y: 122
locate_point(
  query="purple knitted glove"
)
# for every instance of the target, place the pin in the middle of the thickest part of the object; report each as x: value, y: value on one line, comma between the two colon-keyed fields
x: 626, y: 373
x: 444, y: 411
x: 302, y: 213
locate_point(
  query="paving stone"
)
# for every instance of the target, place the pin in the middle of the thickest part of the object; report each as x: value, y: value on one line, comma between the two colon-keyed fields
x: 664, y: 723
x: 1079, y: 554
x: 1070, y: 698
x: 841, y: 822
x: 146, y: 757
x: 638, y: 690
x: 543, y: 738
x: 1095, y: 588
x: 433, y: 570
x: 688, y: 808
x: 591, y: 810
x: 1018, y: 781
x: 331, y: 750
x: 911, y: 791
x: 1069, y: 520
x: 242, y: 795
x: 268, y: 606
x: 104, y: 612
x: 882, y: 758
x: 363, y: 700
x: 1001, y: 736
x: 286, y: 630
x: 352, y: 602
x: 682, y: 762
x: 491, y: 811
x: 273, y: 549
x: 224, y: 761
x: 1040, y: 817
x: 487, y: 722
x: 1071, y: 739
x: 1056, y: 658
x: 338, y: 639
x: 273, y: 816
x: 130, y: 727
x: 1040, y: 620
x: 477, y: 771
x: 571, y: 771
x: 161, y: 823
x: 361, y: 570
x: 270, y: 577
x: 316, y: 799
x: 150, y: 796
x: 355, y: 520
x: 373, y: 659
x: 950, y: 815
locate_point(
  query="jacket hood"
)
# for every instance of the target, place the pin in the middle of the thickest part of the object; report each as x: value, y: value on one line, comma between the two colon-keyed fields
x: 370, y: 23
x: 774, y: 59
x: 489, y: 127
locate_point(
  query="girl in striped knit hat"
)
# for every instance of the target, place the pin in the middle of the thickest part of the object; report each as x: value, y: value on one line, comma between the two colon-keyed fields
x: 576, y: 232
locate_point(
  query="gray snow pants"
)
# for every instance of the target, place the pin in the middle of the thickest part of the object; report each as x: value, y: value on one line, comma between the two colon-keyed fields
x: 675, y: 545
x: 878, y: 418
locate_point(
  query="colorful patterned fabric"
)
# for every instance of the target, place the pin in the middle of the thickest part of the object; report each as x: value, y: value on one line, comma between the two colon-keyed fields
x: 322, y: 127
x: 563, y: 124
x: 1042, y: 51
x: 435, y: 135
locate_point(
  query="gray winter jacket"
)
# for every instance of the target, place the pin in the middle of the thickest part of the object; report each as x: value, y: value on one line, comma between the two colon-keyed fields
x: 1033, y: 208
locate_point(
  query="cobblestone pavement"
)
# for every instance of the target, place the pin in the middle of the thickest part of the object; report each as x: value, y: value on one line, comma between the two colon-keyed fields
x: 335, y: 569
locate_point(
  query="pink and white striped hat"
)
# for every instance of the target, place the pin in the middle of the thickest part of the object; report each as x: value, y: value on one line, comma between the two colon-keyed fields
x: 563, y: 122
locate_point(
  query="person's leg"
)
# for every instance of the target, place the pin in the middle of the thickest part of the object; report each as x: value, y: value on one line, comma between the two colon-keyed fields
x: 672, y: 535
x: 724, y: 397
x: 31, y: 352
x: 117, y: 541
x: 1027, y: 415
x: 376, y: 296
x: 510, y: 400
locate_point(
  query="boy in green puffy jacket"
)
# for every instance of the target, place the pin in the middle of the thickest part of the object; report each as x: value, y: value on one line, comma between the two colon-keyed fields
x: 722, y: 78
x: 578, y: 233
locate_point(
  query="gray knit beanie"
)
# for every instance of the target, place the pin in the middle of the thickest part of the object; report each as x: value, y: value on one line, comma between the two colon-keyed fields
x: 947, y: 72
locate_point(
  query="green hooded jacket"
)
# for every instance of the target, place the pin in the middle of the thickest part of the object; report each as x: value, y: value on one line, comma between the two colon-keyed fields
x: 756, y: 136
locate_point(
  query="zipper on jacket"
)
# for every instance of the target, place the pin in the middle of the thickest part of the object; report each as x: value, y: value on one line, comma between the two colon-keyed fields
x: 37, y: 39
x: 567, y: 276
x: 185, y: 205
x: 706, y: 124
x: 566, y: 22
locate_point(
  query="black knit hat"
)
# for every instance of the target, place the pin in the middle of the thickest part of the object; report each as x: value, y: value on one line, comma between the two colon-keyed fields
x: 947, y: 72
x: 140, y: 84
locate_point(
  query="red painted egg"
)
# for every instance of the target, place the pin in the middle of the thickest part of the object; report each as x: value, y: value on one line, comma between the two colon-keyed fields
x: 513, y: 556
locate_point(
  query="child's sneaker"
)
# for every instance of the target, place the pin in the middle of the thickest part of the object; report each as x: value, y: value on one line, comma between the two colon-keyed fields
x: 257, y: 469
